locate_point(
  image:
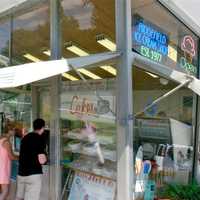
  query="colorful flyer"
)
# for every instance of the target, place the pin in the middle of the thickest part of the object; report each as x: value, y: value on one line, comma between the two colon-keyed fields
x: 90, y: 187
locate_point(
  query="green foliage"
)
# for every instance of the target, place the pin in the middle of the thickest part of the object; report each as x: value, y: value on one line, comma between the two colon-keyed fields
x: 182, y: 192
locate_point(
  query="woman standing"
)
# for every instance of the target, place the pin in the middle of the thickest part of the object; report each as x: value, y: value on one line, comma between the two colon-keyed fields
x: 6, y: 155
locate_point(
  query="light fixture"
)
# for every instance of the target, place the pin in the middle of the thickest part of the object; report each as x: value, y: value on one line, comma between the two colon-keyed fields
x: 109, y: 69
x: 88, y: 73
x: 31, y: 57
x: 47, y: 52
x: 172, y: 53
x: 164, y: 81
x: 70, y: 77
x: 75, y: 49
x: 101, y: 39
x: 152, y: 75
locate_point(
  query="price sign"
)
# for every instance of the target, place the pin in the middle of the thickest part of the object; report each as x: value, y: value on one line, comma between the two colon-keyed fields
x: 149, y: 41
x: 90, y: 187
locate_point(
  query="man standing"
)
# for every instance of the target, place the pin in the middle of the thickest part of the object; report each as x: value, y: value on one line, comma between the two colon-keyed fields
x: 32, y: 157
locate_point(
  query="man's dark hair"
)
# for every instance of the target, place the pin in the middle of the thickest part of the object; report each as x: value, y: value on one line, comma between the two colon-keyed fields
x: 38, y: 124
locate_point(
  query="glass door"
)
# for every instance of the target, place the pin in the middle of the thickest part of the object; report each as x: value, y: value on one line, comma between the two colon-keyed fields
x: 41, y: 108
x: 163, y: 136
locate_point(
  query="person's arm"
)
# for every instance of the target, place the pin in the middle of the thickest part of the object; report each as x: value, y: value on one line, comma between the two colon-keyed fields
x: 42, y: 158
x: 8, y: 147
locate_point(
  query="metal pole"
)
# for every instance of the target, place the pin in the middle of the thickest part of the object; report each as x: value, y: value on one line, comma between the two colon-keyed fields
x: 124, y: 102
x: 35, y: 102
x: 55, y: 170
x: 11, y: 40
x: 163, y: 97
x: 195, y: 171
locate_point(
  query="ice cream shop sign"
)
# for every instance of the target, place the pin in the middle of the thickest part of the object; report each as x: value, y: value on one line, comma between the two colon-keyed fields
x: 91, y: 105
x: 82, y: 105
x: 189, y: 54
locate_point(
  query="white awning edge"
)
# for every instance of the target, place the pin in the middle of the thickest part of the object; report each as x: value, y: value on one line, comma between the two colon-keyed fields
x: 15, y: 76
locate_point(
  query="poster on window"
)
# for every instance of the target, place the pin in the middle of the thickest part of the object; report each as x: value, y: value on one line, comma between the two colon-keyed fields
x: 90, y: 187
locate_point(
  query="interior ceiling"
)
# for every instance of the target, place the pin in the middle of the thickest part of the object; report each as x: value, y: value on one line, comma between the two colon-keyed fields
x: 143, y: 81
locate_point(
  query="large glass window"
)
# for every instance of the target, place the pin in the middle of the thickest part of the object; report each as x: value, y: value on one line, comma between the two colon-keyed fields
x: 88, y: 138
x: 163, y: 136
x: 159, y: 36
x: 4, y: 43
x: 31, y: 35
x: 88, y: 27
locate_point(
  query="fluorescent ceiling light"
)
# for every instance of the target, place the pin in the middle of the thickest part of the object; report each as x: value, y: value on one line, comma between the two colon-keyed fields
x: 172, y: 53
x: 47, y: 52
x: 70, y: 77
x: 107, y: 43
x: 89, y: 74
x: 152, y: 75
x: 31, y: 57
x: 109, y: 69
x: 76, y: 50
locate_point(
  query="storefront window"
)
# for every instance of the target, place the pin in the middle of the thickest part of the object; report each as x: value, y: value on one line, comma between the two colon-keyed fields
x: 88, y: 27
x: 4, y: 43
x: 15, y: 110
x: 31, y: 35
x: 88, y: 136
x: 163, y: 136
x: 159, y: 36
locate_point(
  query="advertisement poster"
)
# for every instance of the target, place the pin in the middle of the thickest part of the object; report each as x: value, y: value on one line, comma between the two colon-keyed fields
x: 90, y: 187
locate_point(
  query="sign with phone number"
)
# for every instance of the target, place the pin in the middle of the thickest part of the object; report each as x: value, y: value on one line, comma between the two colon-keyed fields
x: 149, y: 41
x: 153, y: 55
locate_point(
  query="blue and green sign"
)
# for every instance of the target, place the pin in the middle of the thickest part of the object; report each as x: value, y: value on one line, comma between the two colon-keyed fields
x: 149, y: 41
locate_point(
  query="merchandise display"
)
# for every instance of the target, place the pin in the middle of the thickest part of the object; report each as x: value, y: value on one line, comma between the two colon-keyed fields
x: 164, y: 155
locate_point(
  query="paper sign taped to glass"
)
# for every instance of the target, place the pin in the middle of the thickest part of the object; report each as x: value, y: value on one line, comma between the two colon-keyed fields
x: 90, y: 187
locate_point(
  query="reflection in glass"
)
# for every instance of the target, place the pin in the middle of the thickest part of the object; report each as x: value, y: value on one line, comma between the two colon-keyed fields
x: 31, y: 35
x: 88, y: 24
x: 88, y: 135
x: 4, y: 43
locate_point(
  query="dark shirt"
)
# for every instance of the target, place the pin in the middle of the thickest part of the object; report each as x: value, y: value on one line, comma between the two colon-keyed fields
x: 31, y: 146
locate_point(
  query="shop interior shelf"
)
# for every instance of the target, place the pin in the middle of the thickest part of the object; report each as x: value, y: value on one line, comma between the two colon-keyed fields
x: 106, y: 157
x: 76, y: 136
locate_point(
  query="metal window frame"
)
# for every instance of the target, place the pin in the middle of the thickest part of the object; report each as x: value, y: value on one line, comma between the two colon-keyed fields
x: 196, y: 116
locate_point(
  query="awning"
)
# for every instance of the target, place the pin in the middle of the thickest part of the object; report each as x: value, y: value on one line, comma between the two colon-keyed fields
x: 187, y: 11
x: 11, y: 6
x: 27, y: 73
